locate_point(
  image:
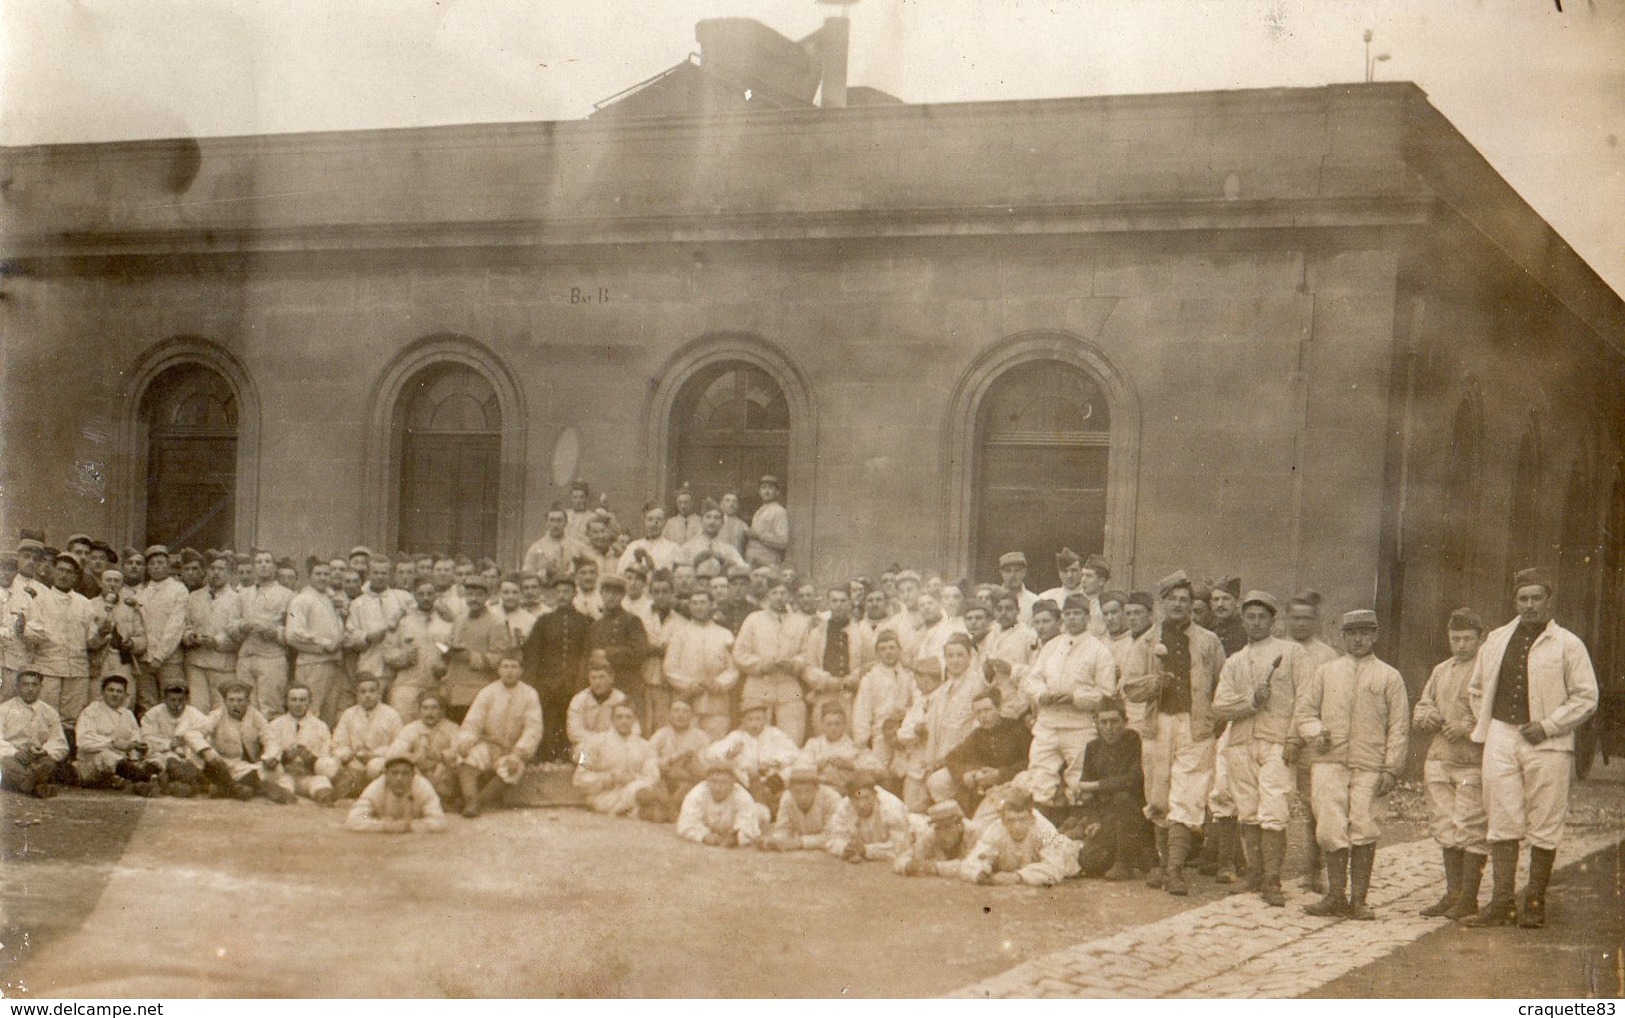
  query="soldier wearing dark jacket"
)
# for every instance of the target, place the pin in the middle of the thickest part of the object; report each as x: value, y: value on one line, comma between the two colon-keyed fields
x: 555, y: 653
x: 1113, y: 790
x: 622, y: 638
x: 994, y: 752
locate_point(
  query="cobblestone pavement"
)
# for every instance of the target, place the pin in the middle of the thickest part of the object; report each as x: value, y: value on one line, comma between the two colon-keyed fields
x: 1240, y: 947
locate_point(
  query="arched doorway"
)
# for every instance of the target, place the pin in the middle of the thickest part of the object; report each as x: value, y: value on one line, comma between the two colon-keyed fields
x: 449, y: 425
x: 1523, y: 522
x: 730, y: 425
x: 190, y: 414
x: 1042, y: 443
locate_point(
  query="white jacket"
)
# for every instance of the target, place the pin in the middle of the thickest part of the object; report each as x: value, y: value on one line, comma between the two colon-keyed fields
x: 1562, y: 683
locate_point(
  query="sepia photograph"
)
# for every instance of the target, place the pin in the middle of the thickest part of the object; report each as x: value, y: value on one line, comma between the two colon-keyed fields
x: 1095, y: 499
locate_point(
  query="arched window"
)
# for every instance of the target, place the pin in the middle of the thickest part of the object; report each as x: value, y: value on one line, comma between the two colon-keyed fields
x: 1577, y: 575
x: 449, y: 425
x: 1523, y: 522
x: 1459, y: 547
x: 731, y: 425
x: 1043, y: 437
x: 190, y: 414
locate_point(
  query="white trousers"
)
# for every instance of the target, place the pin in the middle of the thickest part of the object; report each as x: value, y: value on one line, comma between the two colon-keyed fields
x: 1526, y: 788
x: 1055, y: 755
x: 1260, y: 784
x: 1345, y: 806
x: 1178, y: 773
x: 1456, y: 792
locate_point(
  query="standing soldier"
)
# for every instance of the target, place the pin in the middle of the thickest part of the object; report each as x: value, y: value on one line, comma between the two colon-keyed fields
x: 769, y: 535
x: 316, y: 634
x: 1454, y: 769
x: 554, y: 656
x: 1173, y: 669
x: 1532, y: 687
x: 1356, y: 713
x: 1303, y: 626
x: 162, y: 603
x: 210, y: 638
x: 1258, y: 691
x: 262, y: 660
x: 768, y: 654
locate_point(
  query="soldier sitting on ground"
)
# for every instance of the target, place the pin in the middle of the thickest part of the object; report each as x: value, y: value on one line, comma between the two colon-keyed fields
x: 32, y: 743
x: 400, y: 801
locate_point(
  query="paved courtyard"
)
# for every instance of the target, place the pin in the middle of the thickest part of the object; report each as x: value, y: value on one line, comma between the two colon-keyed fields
x: 113, y: 896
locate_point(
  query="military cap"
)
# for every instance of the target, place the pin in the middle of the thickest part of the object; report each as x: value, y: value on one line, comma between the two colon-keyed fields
x: 719, y: 767
x: 1012, y: 558
x: 1172, y: 582
x: 598, y: 659
x: 232, y: 682
x: 80, y: 538
x: 29, y: 534
x: 1098, y: 565
x: 191, y: 555
x: 1305, y: 599
x: 804, y: 773
x: 29, y: 544
x: 1201, y: 590
x: 754, y: 703
x: 1045, y: 604
x: 612, y: 582
x: 770, y: 479
x: 1074, y: 602
x: 1261, y: 597
x: 397, y: 758
x: 1120, y: 596
x: 1535, y: 576
x: 131, y: 551
x: 1465, y: 618
x: 1067, y: 557
x: 69, y: 557
x: 106, y: 549
x: 156, y: 549
x: 1018, y: 798
x: 477, y: 581
x: 739, y: 572
x: 1230, y: 585
x: 360, y: 549
x: 1360, y: 618
x: 710, y: 505
x: 176, y: 686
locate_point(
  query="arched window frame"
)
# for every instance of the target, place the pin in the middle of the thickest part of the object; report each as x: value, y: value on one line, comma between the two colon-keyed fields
x: 660, y: 437
x: 131, y: 468
x: 381, y: 482
x: 961, y: 428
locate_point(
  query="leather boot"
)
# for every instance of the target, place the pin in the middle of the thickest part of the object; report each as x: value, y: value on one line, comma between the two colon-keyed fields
x: 1251, y: 842
x: 1502, y: 909
x: 1336, y: 902
x: 1207, y: 857
x: 1271, y: 853
x: 1179, y: 846
x: 1452, y: 883
x: 1229, y: 833
x: 1533, y: 914
x: 1472, y: 874
x: 1159, y: 875
x: 1314, y: 872
x: 1361, y: 860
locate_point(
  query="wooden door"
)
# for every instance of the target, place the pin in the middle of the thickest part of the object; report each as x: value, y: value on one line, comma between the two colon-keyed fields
x: 732, y: 425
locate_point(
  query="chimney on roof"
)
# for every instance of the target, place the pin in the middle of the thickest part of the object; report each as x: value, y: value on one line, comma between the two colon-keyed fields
x: 833, y: 44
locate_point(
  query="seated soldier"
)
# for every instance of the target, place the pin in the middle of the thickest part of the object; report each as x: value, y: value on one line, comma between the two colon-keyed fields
x: 1021, y: 847
x: 619, y: 773
x: 993, y: 753
x: 679, y: 748
x: 1112, y: 790
x: 362, y: 738
x: 399, y: 801
x: 32, y: 743
x: 804, y: 814
x: 871, y: 823
x: 234, y: 742
x: 759, y: 753
x: 719, y: 812
x: 832, y: 741
x: 430, y: 743
x: 939, y: 843
x: 306, y: 750
x: 110, y: 753
x: 500, y: 733
x: 591, y: 709
x: 163, y: 729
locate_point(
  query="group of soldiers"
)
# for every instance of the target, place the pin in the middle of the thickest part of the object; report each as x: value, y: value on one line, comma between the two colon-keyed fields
x: 984, y: 732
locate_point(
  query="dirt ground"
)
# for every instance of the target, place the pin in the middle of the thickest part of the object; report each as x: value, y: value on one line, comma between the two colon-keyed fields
x: 108, y: 896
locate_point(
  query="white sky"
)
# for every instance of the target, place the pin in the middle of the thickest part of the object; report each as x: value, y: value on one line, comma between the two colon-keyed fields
x: 1540, y: 93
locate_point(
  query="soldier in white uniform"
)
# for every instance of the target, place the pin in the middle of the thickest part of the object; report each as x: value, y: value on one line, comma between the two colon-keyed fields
x: 1021, y: 847
x: 163, y: 729
x: 32, y: 742
x: 430, y: 742
x: 362, y: 738
x: 305, y: 766
x: 1454, y: 771
x: 500, y: 733
x: 1257, y: 694
x: 619, y: 772
x: 398, y: 801
x: 1356, y: 712
x: 1173, y: 669
x: 767, y: 653
x: 805, y: 811
x: 162, y: 603
x: 1072, y: 675
x: 110, y: 752
x: 769, y: 535
x: 315, y: 632
x: 871, y: 824
x: 720, y: 813
x: 1532, y: 687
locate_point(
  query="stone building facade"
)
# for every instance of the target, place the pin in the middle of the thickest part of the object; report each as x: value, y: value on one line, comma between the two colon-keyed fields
x: 1304, y: 335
